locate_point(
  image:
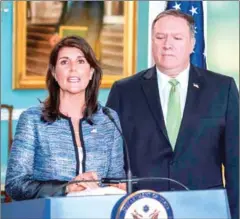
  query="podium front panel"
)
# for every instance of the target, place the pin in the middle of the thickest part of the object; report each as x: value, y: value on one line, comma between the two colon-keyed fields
x: 201, y: 204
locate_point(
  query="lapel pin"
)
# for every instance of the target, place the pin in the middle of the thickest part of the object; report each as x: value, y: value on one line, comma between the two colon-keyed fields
x: 94, y: 131
x: 195, y: 85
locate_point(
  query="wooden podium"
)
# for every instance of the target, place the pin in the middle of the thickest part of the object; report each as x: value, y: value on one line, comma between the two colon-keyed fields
x: 200, y: 204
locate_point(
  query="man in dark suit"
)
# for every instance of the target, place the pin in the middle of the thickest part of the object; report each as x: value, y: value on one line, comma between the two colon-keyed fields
x: 180, y: 121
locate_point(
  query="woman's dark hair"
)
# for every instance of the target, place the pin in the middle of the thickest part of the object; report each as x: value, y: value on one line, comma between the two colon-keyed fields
x: 50, y: 111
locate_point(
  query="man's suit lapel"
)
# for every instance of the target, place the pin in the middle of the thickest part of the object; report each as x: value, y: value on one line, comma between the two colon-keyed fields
x: 150, y: 89
x: 194, y: 92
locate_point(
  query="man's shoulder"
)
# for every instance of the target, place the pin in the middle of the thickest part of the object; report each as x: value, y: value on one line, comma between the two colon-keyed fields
x: 211, y: 75
x: 214, y: 79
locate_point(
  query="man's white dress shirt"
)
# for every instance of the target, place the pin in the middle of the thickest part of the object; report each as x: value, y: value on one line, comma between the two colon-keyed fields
x: 164, y: 88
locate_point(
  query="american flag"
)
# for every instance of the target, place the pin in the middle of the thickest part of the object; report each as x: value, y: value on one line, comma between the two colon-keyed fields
x: 194, y: 8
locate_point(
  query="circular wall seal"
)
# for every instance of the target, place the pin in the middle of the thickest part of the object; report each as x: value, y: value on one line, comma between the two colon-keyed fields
x: 145, y: 204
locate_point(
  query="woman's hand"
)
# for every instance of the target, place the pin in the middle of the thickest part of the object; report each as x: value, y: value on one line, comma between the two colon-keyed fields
x: 76, y: 187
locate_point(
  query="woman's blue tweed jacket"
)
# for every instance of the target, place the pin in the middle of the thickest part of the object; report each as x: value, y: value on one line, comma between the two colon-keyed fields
x: 44, y: 156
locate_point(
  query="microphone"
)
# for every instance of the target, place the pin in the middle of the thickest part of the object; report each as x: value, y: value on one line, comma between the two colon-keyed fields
x: 85, y: 181
x: 120, y: 180
x: 107, y: 112
x: 136, y: 180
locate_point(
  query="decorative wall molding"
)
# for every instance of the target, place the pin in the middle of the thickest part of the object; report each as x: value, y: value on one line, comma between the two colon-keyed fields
x: 16, y: 114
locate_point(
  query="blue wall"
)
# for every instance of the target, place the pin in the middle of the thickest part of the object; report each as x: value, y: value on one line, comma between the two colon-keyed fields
x: 223, y: 37
x: 17, y: 98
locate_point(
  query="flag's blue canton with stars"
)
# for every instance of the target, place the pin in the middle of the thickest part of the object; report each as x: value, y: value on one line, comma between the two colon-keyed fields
x: 194, y: 8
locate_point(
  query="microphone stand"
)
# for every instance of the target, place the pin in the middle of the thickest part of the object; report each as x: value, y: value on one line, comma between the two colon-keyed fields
x: 107, y: 112
x: 129, y: 182
x: 136, y: 180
